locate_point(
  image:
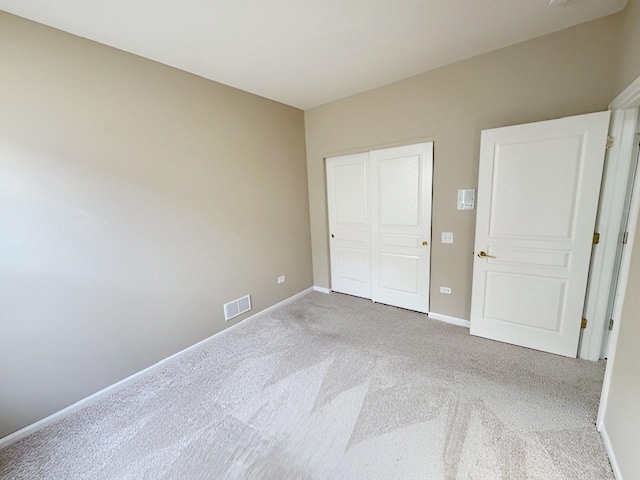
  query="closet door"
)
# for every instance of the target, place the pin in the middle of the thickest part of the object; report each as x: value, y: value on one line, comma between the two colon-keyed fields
x: 348, y: 197
x: 401, y: 185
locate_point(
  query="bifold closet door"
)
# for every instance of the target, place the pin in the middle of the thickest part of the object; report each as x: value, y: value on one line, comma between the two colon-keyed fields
x: 380, y: 224
x: 401, y: 185
x: 350, y: 232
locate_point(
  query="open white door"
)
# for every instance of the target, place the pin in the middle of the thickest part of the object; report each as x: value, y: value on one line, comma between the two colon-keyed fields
x: 401, y: 180
x: 538, y: 191
x: 348, y: 204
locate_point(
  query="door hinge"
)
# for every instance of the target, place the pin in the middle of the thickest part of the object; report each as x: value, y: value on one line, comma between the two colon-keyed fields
x: 584, y: 323
x: 596, y: 238
x: 610, y: 141
x: 625, y: 237
x: 611, y: 324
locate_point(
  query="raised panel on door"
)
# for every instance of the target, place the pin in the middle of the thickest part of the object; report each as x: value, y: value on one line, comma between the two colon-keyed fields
x: 401, y: 225
x: 537, y: 197
x: 535, y: 188
x: 348, y: 205
x: 507, y: 297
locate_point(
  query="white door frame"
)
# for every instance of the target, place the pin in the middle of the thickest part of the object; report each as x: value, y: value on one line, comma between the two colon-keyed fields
x: 629, y: 98
x: 610, y: 214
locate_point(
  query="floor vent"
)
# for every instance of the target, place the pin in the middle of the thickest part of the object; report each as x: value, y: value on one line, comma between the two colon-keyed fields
x: 237, y: 307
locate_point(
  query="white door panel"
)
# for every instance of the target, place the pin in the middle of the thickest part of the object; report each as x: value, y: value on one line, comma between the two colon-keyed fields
x: 538, y: 192
x: 380, y: 224
x: 523, y: 306
x: 348, y: 204
x: 399, y: 189
x: 401, y: 225
x: 530, y: 170
x: 351, y: 190
x: 398, y: 272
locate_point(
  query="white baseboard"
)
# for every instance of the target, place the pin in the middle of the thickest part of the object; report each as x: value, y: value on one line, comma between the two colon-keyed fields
x: 321, y: 289
x: 447, y: 319
x: 85, y: 402
x: 609, y: 448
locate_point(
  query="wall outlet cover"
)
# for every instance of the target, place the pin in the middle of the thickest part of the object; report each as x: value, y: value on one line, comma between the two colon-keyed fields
x: 446, y: 290
x: 281, y: 279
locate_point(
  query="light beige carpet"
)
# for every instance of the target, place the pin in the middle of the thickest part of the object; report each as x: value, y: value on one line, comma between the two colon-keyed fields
x: 335, y: 387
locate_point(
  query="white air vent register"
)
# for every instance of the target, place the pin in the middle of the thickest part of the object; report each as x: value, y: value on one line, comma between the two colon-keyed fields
x: 237, y: 307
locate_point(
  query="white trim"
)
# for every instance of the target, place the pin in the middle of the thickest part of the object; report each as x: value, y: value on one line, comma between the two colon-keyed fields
x: 611, y: 214
x: 612, y: 456
x: 321, y: 289
x: 629, y: 98
x: 619, y: 300
x: 447, y: 319
x: 85, y: 402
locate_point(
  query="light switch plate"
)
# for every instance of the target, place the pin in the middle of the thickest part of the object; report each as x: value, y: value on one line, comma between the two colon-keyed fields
x: 447, y: 237
x: 446, y: 290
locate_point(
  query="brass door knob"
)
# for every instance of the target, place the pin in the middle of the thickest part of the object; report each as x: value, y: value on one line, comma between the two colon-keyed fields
x: 485, y: 255
x: 424, y: 244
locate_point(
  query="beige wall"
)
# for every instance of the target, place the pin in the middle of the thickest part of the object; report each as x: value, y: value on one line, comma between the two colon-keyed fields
x: 135, y: 199
x: 628, y: 49
x: 566, y: 73
x: 622, y: 416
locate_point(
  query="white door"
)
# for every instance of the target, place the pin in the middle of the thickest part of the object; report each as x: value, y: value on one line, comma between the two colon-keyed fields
x: 401, y: 180
x: 379, y: 207
x: 348, y: 204
x: 538, y: 191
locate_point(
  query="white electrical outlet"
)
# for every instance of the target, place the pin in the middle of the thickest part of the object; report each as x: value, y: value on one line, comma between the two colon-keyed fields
x: 281, y: 279
x: 446, y: 290
x: 447, y: 237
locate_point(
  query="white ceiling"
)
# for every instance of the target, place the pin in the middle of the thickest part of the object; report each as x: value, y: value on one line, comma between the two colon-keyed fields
x: 308, y: 52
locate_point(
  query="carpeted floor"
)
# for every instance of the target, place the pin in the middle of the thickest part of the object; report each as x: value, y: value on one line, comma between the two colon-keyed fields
x: 335, y: 387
